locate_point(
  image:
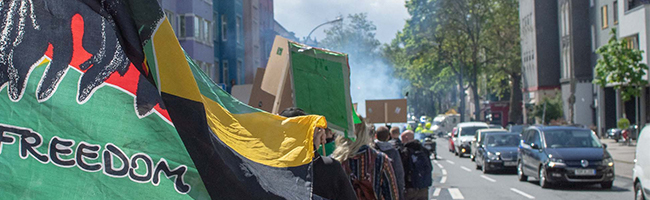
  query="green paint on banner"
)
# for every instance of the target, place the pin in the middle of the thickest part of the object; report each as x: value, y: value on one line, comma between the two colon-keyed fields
x: 108, y: 117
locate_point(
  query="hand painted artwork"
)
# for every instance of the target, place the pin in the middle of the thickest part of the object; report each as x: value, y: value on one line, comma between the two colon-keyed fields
x: 160, y: 130
x: 71, y: 35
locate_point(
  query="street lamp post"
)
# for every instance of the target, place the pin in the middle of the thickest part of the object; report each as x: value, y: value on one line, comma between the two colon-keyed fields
x: 338, y: 19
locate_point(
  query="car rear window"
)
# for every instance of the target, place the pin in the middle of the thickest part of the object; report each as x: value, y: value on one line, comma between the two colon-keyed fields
x: 471, y: 130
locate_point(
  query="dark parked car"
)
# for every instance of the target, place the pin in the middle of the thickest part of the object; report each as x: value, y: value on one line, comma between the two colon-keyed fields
x: 557, y: 154
x: 497, y: 151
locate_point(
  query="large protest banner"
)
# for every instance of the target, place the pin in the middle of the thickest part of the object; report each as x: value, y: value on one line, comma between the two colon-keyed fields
x: 102, y: 103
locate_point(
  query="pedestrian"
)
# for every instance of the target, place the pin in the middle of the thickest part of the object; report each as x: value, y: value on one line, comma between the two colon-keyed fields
x: 381, y: 143
x: 330, y: 181
x: 395, y: 141
x: 417, y: 168
x: 369, y: 170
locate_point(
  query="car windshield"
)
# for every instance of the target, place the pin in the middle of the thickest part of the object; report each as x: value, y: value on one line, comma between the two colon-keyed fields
x: 471, y: 130
x: 571, y: 139
x: 516, y: 129
x: 509, y: 140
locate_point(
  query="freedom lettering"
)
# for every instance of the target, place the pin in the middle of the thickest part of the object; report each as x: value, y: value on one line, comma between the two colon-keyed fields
x: 29, y: 142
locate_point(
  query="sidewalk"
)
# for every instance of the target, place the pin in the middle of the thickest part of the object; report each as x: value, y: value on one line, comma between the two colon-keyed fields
x: 623, y: 156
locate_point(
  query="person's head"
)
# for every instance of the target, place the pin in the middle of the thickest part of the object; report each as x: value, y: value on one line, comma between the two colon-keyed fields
x: 319, y: 133
x: 382, y: 133
x: 346, y: 148
x: 394, y: 132
x: 407, y: 136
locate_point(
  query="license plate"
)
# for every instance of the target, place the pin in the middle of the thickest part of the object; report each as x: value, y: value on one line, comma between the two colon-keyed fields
x: 509, y: 163
x: 585, y: 172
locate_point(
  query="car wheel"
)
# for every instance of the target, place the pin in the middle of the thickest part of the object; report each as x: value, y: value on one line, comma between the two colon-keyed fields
x: 616, y: 140
x: 477, y: 166
x: 638, y: 191
x: 607, y: 185
x: 455, y: 152
x: 542, y: 178
x: 520, y: 171
x: 485, y: 168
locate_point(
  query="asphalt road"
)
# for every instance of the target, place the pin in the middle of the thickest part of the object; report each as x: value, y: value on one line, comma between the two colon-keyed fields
x: 458, y: 178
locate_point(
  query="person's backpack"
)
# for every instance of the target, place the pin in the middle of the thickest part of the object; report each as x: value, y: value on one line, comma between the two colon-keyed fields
x: 420, y: 168
x: 363, y: 187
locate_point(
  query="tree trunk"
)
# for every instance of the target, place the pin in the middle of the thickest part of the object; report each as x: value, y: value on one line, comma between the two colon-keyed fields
x: 515, y: 111
x: 461, y: 93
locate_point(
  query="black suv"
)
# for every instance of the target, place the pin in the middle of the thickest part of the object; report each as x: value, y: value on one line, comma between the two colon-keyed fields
x: 556, y: 154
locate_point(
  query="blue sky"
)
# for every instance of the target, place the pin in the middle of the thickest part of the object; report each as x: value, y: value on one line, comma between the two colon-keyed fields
x: 301, y: 16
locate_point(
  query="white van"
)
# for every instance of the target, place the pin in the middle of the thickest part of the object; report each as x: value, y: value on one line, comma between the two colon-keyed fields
x: 641, y: 170
x: 443, y: 124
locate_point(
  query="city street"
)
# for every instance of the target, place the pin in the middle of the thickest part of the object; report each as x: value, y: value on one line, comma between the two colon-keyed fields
x: 458, y: 178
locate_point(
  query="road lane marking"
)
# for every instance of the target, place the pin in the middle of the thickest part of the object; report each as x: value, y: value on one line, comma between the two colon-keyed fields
x: 450, y: 162
x: 522, y: 193
x: 435, y: 161
x: 436, y: 192
x: 444, y: 172
x: 488, y: 178
x: 440, y: 157
x: 443, y: 180
x: 440, y: 166
x: 455, y: 193
x: 465, y: 168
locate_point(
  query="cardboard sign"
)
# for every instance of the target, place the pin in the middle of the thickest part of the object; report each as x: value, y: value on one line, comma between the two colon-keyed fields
x: 386, y: 111
x: 259, y: 98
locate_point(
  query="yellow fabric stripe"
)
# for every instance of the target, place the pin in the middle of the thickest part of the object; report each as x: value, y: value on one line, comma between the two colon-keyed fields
x: 265, y: 138
x: 176, y: 78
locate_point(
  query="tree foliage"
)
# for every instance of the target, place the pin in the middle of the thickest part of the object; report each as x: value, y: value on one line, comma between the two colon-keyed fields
x: 449, y: 46
x: 549, y: 108
x: 621, y: 67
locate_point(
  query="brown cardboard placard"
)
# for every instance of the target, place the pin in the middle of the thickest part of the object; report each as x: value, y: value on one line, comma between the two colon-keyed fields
x: 259, y: 98
x: 386, y: 111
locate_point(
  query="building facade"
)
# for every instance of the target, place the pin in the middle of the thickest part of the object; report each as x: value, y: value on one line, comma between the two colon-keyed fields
x: 631, y: 18
x: 193, y: 22
x: 603, y: 17
x: 540, y: 58
x: 576, y: 68
x: 252, y: 47
x: 229, y: 42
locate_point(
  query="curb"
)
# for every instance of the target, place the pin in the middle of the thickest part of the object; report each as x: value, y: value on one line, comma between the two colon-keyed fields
x: 624, y: 161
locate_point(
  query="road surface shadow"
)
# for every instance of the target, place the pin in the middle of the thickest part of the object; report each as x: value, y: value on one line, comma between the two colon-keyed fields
x: 580, y: 187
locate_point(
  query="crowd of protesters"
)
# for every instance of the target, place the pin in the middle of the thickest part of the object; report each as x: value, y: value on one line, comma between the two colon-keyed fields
x: 378, y: 163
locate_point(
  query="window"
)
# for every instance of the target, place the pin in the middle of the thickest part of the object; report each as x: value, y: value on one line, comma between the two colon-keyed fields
x: 206, y: 30
x: 224, y: 31
x: 593, y: 39
x: 615, y: 12
x: 225, y: 72
x: 215, y: 32
x: 240, y: 72
x: 197, y: 28
x: 238, y: 29
x: 603, y: 15
x: 215, y: 72
x: 632, y: 42
x: 183, y: 32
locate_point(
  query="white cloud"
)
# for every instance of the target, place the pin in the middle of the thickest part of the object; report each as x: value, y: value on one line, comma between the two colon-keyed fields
x: 301, y: 16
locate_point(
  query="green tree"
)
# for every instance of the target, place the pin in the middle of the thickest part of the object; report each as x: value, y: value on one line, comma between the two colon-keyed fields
x: 621, y: 67
x: 356, y: 37
x: 504, y: 54
x: 549, y: 109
